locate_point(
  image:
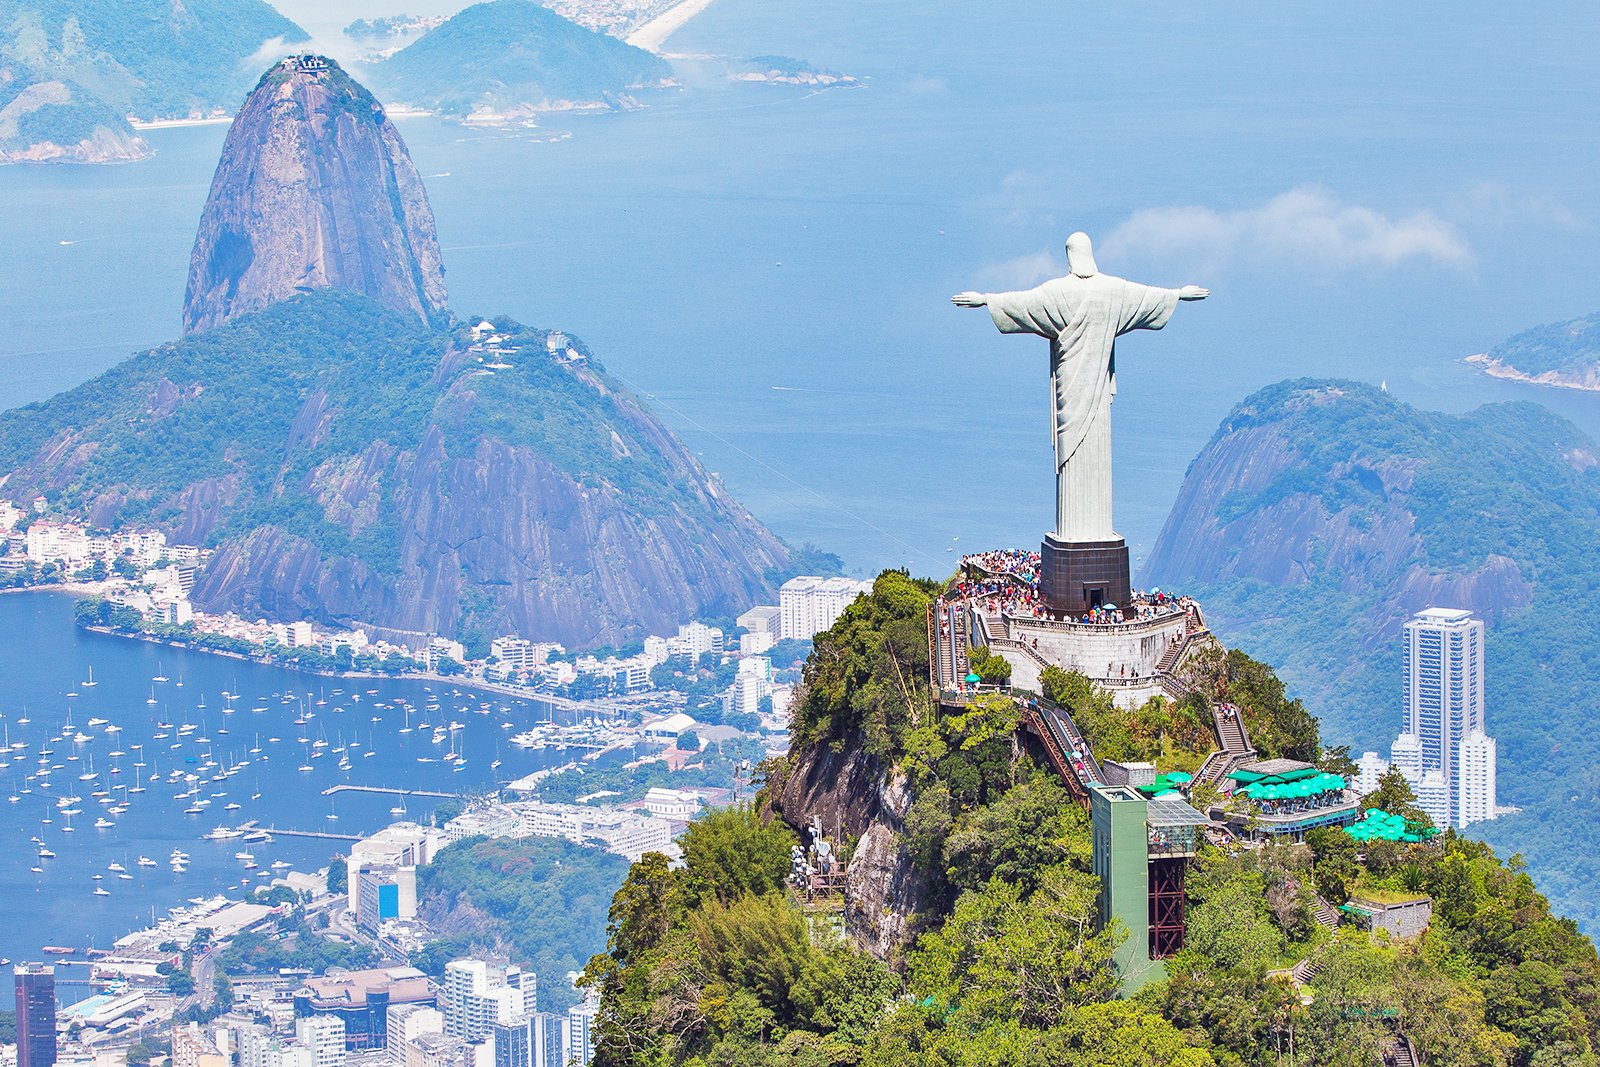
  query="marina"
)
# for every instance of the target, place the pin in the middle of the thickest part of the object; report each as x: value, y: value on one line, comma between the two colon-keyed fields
x: 177, y: 775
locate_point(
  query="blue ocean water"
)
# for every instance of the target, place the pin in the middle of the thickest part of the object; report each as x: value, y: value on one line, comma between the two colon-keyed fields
x: 47, y: 663
x: 1372, y: 193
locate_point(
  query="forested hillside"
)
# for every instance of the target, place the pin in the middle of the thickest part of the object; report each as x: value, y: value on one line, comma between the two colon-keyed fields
x: 1323, y: 513
x: 716, y: 963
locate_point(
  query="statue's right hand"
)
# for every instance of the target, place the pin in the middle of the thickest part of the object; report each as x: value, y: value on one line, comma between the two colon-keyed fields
x: 969, y: 299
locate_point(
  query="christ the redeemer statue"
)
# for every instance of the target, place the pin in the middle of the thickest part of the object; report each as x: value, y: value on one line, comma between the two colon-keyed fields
x: 1082, y: 315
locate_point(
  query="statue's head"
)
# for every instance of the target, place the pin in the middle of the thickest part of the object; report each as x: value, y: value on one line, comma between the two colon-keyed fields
x: 1080, y: 255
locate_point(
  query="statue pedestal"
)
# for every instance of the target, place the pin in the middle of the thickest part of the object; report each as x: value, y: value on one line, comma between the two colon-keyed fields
x: 1078, y: 576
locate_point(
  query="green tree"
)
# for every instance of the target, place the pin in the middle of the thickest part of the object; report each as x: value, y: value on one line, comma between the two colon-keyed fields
x: 732, y: 852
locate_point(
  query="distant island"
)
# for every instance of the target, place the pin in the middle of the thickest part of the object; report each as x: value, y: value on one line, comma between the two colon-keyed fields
x: 539, y: 62
x: 1561, y: 354
x: 74, y: 72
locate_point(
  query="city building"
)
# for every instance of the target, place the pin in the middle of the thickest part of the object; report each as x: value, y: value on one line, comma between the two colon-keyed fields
x: 1369, y: 768
x: 1444, y: 711
x: 579, y: 1047
x: 1476, y: 796
x: 401, y: 844
x: 258, y: 1047
x: 36, y: 1015
x: 529, y: 1041
x: 406, y: 1023
x: 322, y: 1036
x: 193, y: 1047
x: 753, y: 644
x: 809, y: 605
x: 625, y: 833
x: 481, y: 993
x: 438, y: 1050
x: 362, y: 1001
x: 386, y: 892
x: 675, y: 805
x: 763, y: 619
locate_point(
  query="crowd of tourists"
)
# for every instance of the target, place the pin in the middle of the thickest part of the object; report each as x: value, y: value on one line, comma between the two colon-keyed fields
x: 1019, y: 563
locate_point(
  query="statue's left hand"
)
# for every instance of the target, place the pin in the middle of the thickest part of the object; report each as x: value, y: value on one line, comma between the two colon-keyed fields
x: 1193, y: 292
x: 969, y: 299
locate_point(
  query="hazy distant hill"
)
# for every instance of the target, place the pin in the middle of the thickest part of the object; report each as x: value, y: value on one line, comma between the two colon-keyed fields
x: 1559, y: 353
x: 56, y: 122
x: 1322, y: 513
x: 514, y: 57
x: 71, y: 71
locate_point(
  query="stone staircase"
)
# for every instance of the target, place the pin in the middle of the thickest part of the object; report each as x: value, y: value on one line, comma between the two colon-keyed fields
x: 1307, y: 969
x: 1324, y: 913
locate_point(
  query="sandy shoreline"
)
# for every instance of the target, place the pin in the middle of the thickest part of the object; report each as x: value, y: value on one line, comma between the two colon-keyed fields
x: 1496, y: 369
x: 172, y: 124
x: 653, y: 34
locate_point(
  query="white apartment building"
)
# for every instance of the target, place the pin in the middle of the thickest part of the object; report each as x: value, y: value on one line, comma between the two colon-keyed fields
x: 694, y: 640
x: 406, y: 1023
x: 478, y: 994
x: 1369, y: 768
x: 1444, y: 654
x: 756, y: 642
x: 580, y: 1033
x: 809, y: 605
x: 1477, y: 772
x: 322, y: 1036
x: 622, y: 832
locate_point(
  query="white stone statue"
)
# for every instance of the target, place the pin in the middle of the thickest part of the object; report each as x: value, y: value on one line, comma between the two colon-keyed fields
x: 1082, y: 315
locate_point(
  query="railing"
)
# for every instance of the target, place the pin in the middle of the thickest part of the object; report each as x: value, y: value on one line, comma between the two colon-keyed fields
x: 1094, y: 628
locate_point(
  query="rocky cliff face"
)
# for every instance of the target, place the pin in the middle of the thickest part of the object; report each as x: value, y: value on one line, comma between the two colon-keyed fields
x: 853, y: 797
x: 315, y: 190
x: 1338, y: 486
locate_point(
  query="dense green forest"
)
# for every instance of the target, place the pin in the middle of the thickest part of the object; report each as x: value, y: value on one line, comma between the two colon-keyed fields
x: 221, y: 408
x: 713, y: 963
x: 1571, y: 349
x: 539, y: 59
x: 540, y: 901
x: 1508, y: 482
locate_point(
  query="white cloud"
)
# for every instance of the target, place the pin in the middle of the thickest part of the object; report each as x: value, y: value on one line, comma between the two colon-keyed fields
x: 1307, y: 226
x: 271, y: 50
x: 1495, y: 204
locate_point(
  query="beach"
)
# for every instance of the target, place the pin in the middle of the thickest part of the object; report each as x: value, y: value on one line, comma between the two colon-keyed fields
x: 653, y: 35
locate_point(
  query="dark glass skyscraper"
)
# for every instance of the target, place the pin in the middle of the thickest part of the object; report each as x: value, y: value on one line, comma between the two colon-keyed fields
x: 36, y: 1015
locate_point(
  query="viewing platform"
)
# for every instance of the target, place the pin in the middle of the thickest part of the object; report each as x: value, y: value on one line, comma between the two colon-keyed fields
x: 1132, y: 650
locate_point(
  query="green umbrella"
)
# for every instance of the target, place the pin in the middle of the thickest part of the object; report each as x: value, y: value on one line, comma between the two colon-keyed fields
x: 974, y: 678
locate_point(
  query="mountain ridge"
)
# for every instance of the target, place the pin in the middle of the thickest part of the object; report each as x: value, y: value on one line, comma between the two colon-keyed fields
x: 351, y: 465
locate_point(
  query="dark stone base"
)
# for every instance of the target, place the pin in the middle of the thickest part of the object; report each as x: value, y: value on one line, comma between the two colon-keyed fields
x: 1075, y: 577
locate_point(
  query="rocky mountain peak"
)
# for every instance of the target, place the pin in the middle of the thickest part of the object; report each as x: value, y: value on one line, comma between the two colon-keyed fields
x: 314, y: 190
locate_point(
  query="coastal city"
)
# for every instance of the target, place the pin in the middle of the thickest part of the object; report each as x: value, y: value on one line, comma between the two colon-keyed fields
x: 668, y: 533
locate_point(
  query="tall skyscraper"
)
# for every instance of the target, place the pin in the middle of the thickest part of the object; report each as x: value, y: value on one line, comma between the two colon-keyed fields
x: 36, y: 1015
x: 1444, y: 733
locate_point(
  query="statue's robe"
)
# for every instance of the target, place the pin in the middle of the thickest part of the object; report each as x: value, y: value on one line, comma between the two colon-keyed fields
x: 1082, y: 318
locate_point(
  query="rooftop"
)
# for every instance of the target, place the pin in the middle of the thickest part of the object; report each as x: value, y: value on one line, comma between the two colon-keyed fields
x: 1276, y: 768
